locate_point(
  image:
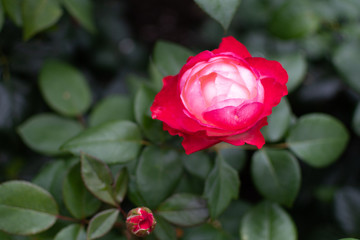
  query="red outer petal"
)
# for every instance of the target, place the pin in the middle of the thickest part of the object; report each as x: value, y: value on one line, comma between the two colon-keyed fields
x: 230, y: 44
x: 168, y: 107
x: 253, y: 136
x: 197, y: 142
x: 273, y: 92
x: 269, y: 69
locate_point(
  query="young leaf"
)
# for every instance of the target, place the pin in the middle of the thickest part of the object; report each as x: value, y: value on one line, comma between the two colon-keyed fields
x: 64, y: 88
x: 158, y: 171
x: 170, y: 57
x: 78, y: 200
x: 278, y: 122
x: 152, y: 129
x: 222, y: 185
x: 71, y: 232
x: 81, y: 10
x: 121, y: 184
x: 45, y: 133
x: 184, y: 210
x: 347, y: 210
x: 102, y: 223
x: 222, y: 11
x: 276, y: 174
x: 39, y: 15
x: 97, y: 178
x: 25, y: 208
x: 114, y: 142
x: 112, y: 108
x: 267, y: 221
x: 318, y: 139
x: 13, y: 9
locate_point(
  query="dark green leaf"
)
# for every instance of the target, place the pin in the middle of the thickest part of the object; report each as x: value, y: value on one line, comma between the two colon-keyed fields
x: 170, y: 57
x: 39, y: 15
x: 222, y: 185
x: 114, y: 142
x: 222, y: 11
x: 121, y: 184
x: 2, y: 17
x: 134, y: 193
x: 78, y: 200
x: 25, y: 208
x: 164, y: 230
x: 158, y: 171
x: 45, y: 133
x: 347, y: 210
x: 13, y: 9
x: 296, y: 67
x: 345, y: 59
x: 184, y: 210
x: 81, y: 10
x: 278, y: 122
x: 235, y: 157
x: 155, y: 76
x: 294, y: 19
x: 112, y: 108
x: 349, y: 239
x: 318, y: 139
x: 198, y: 164
x: 190, y: 184
x: 97, y: 178
x: 64, y: 87
x: 205, y: 232
x: 152, y: 129
x: 276, y: 174
x: 356, y: 120
x: 267, y: 221
x: 102, y: 223
x: 71, y: 232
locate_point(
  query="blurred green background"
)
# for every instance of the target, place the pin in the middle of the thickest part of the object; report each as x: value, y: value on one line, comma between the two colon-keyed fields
x: 318, y: 42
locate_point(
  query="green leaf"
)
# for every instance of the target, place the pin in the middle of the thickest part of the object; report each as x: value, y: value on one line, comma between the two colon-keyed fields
x: 153, y: 129
x: 164, y: 230
x: 157, y: 174
x: 155, y: 76
x: 114, y: 142
x: 13, y: 9
x: 349, y: 239
x: 318, y: 139
x: 97, y: 178
x: 347, y: 210
x: 64, y: 88
x: 2, y: 17
x: 198, y: 164
x: 356, y: 120
x: 81, y: 10
x: 25, y: 208
x: 345, y: 59
x: 71, y: 232
x: 222, y: 185
x: 278, y: 122
x: 294, y: 19
x: 235, y: 157
x: 102, y: 223
x: 205, y: 232
x: 120, y: 186
x: 45, y: 133
x: 39, y: 15
x: 184, y: 210
x: 170, y: 57
x: 112, y: 108
x: 222, y: 11
x: 276, y: 174
x: 267, y: 221
x: 78, y: 200
x: 296, y: 67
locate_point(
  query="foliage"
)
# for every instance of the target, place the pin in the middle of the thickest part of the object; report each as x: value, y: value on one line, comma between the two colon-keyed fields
x: 79, y: 147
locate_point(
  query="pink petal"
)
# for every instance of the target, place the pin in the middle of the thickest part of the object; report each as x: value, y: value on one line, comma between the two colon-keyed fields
x: 273, y: 92
x: 230, y: 44
x: 269, y: 69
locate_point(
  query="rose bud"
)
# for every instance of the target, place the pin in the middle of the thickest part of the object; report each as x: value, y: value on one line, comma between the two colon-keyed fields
x: 140, y: 221
x: 224, y: 95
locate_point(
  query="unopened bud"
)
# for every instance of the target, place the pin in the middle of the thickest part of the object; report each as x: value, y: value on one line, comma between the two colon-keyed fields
x: 140, y: 221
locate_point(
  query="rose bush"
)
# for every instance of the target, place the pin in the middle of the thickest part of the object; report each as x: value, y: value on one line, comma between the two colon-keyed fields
x: 220, y: 95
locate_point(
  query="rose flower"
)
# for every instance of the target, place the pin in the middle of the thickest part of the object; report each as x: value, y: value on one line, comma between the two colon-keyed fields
x: 224, y: 95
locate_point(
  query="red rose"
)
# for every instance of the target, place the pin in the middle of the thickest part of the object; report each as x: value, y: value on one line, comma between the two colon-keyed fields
x: 220, y: 95
x: 140, y: 221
